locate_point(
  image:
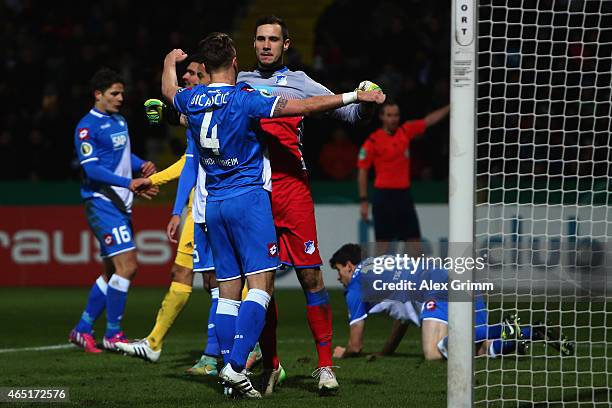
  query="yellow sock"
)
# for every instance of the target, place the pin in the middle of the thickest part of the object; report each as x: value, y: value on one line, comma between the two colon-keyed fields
x: 171, y: 307
x: 245, y: 290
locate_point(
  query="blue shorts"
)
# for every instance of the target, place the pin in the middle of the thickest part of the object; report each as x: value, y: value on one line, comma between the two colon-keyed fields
x: 434, y: 309
x: 112, y: 227
x: 242, y: 235
x: 202, y: 254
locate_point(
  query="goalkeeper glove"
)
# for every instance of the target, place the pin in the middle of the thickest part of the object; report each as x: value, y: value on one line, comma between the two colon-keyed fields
x: 157, y: 111
x: 367, y: 86
x: 154, y: 109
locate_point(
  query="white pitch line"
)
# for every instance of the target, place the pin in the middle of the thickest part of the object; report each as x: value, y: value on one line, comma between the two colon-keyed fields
x: 42, y: 348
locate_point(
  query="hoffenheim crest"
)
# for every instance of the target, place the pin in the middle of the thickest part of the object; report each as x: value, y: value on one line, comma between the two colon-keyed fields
x: 281, y: 80
x: 309, y: 247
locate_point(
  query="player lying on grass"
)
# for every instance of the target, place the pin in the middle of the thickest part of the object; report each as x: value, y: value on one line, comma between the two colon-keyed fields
x: 425, y: 308
x: 238, y: 215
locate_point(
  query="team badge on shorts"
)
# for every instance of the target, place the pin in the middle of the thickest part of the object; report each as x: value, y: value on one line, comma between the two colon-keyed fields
x: 108, y: 239
x: 272, y: 250
x: 431, y: 305
x: 309, y: 247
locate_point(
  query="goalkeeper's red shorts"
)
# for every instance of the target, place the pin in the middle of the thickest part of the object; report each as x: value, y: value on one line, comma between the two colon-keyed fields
x: 294, y: 218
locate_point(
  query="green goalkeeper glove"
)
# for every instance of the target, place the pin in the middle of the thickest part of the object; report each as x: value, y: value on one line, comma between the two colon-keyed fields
x: 157, y: 111
x: 154, y: 109
x: 367, y: 86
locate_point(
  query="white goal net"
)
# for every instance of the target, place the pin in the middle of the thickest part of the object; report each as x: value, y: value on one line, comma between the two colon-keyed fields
x: 543, y: 196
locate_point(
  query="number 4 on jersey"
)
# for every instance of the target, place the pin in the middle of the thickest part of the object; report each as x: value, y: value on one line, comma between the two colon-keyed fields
x: 211, y: 142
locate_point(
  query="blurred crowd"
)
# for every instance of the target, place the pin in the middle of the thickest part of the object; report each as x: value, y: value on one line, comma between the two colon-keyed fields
x: 51, y: 51
x: 544, y: 95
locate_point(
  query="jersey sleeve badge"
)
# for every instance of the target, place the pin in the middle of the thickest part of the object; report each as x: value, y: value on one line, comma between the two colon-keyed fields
x: 83, y: 133
x: 86, y: 149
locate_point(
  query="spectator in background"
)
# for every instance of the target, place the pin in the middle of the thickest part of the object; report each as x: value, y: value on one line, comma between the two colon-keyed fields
x: 388, y: 150
x: 339, y: 156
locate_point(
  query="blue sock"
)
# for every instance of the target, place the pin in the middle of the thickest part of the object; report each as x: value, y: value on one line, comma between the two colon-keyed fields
x: 487, y: 332
x: 249, y: 324
x: 526, y: 332
x: 225, y: 325
x: 115, y: 304
x: 317, y: 298
x: 96, y: 302
x: 212, y: 344
x: 500, y: 346
x: 495, y: 331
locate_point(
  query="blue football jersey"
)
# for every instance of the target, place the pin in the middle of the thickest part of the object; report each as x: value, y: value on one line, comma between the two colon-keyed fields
x: 357, y: 308
x: 105, y: 139
x: 223, y: 120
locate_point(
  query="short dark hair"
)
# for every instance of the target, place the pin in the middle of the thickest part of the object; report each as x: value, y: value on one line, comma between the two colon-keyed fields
x: 104, y: 78
x: 217, y: 50
x: 272, y: 19
x: 194, y: 57
x: 388, y: 102
x: 346, y: 253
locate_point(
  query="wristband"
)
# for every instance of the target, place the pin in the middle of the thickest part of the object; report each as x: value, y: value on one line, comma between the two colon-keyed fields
x: 363, y: 199
x: 349, y: 97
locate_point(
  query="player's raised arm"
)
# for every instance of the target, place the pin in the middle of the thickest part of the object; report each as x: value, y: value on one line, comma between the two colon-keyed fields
x: 169, y: 79
x: 314, y: 104
x: 436, y: 116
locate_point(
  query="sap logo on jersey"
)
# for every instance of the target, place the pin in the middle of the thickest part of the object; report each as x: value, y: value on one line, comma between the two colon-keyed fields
x: 272, y: 249
x: 83, y: 133
x: 309, y: 247
x: 119, y: 140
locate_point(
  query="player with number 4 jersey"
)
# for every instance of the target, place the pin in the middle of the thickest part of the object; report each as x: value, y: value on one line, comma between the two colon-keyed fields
x: 224, y: 117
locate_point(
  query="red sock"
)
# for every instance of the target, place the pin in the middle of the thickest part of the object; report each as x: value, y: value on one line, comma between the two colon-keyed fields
x: 267, y: 339
x: 320, y: 322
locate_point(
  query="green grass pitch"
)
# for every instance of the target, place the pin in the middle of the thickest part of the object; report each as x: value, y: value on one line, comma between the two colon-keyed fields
x: 37, y: 317
x: 34, y: 317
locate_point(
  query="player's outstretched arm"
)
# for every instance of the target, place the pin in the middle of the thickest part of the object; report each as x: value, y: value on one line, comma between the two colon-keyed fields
x: 100, y: 174
x: 169, y: 78
x: 314, y: 104
x: 170, y: 173
x: 436, y: 116
x: 143, y: 188
x: 397, y: 334
x: 355, y: 343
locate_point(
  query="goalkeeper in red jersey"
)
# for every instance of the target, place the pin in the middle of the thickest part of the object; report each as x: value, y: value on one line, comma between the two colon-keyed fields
x: 292, y: 205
